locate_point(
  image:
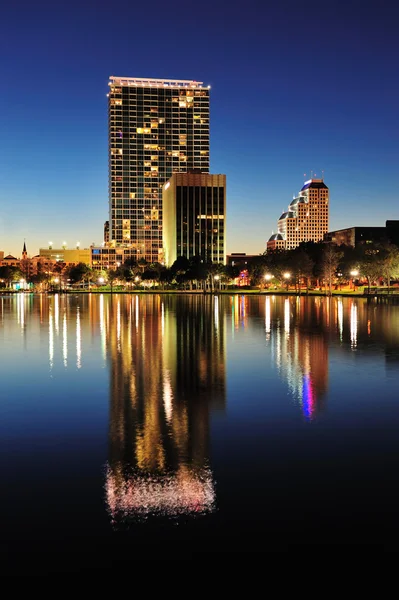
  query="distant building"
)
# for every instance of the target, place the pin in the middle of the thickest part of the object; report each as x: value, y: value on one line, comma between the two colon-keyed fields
x: 68, y: 256
x: 1, y: 254
x: 9, y: 261
x: 305, y: 220
x: 194, y: 212
x: 353, y: 236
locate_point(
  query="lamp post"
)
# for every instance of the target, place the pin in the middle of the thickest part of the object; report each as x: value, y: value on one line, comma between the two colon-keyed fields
x: 267, y: 279
x: 216, y: 278
x: 287, y: 277
x: 101, y: 280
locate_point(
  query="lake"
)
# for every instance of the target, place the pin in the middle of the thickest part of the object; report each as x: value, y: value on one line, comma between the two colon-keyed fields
x: 169, y: 425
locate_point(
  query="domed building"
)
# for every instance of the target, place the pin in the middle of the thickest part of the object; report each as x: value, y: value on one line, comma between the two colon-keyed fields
x: 306, y: 219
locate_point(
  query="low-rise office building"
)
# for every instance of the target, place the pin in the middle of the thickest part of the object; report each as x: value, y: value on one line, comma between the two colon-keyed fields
x: 194, y: 217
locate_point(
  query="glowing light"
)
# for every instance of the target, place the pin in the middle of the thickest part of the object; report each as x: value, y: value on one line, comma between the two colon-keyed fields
x: 50, y: 340
x: 267, y: 316
x: 287, y: 315
x: 167, y: 396
x: 78, y: 340
x: 353, y: 326
x: 340, y: 318
x: 65, y: 340
x: 268, y: 276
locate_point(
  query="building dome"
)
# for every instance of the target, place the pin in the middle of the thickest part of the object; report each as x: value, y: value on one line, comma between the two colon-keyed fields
x: 287, y: 215
x: 297, y: 200
x: 275, y: 236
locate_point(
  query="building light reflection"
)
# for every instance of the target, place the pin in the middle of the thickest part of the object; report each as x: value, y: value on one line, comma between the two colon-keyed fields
x: 353, y: 322
x: 78, y: 340
x: 267, y: 317
x: 50, y: 339
x: 287, y: 315
x: 103, y: 333
x: 167, y: 396
x: 118, y: 324
x: 21, y: 310
x: 65, y: 340
x: 340, y: 318
x: 56, y: 313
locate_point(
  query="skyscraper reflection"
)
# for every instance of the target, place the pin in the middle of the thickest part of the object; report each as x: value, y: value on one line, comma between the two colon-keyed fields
x: 167, y: 357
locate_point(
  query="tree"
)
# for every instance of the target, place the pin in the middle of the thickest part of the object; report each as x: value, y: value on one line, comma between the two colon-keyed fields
x: 389, y: 262
x: 9, y: 274
x: 277, y: 262
x: 79, y: 273
x: 302, y: 266
x: 370, y: 262
x: 330, y: 261
x: 112, y: 276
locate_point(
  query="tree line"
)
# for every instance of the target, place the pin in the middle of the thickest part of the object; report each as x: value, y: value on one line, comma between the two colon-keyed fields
x: 311, y: 264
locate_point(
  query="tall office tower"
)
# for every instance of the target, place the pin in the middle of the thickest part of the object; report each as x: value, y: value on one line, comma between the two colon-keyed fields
x: 194, y: 217
x: 156, y: 127
x: 306, y: 218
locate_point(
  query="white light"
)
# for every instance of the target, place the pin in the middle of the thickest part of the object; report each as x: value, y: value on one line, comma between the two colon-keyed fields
x: 268, y: 276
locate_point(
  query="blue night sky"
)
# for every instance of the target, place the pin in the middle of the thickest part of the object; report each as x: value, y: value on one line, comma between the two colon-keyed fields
x: 296, y: 86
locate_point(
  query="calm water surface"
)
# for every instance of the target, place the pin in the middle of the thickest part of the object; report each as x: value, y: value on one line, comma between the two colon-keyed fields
x: 181, y: 424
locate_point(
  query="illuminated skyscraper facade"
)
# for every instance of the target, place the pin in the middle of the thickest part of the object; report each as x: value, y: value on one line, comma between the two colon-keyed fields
x: 306, y: 219
x: 156, y: 127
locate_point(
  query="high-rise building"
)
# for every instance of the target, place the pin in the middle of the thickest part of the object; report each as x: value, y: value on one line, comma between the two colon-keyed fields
x: 156, y: 127
x: 305, y: 220
x: 194, y: 217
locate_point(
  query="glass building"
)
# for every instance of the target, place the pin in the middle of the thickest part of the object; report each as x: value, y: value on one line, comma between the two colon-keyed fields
x: 194, y: 221
x: 156, y: 127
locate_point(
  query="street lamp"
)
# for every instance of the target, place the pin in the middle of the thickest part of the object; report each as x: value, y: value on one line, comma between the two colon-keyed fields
x: 287, y: 276
x: 216, y: 278
x: 101, y: 280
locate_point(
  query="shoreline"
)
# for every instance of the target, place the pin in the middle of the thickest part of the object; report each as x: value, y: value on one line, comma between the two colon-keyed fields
x: 246, y: 292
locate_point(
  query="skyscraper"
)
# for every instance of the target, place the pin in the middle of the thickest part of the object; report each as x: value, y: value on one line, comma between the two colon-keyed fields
x: 156, y: 127
x: 306, y: 219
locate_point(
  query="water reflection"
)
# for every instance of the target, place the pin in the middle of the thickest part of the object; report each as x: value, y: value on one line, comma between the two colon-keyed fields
x: 166, y: 359
x: 167, y: 365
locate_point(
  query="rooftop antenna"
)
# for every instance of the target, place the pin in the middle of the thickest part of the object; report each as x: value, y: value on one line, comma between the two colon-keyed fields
x: 311, y: 174
x: 322, y: 175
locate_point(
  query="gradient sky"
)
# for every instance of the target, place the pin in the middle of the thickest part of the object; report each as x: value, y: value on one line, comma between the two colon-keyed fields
x: 295, y: 87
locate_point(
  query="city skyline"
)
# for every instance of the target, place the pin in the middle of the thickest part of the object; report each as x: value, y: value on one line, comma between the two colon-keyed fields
x: 294, y: 89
